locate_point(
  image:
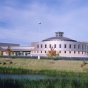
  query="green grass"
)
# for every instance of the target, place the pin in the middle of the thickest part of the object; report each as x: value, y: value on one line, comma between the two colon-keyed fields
x: 46, y: 67
x: 36, y: 64
x: 7, y: 70
x: 44, y: 83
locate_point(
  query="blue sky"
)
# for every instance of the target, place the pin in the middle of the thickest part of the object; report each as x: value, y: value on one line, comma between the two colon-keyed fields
x: 19, y: 20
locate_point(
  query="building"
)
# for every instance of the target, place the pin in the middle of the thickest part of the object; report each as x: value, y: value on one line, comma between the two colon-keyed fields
x: 65, y: 46
x: 16, y: 49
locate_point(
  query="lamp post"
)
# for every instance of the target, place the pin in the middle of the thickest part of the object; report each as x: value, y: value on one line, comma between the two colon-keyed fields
x: 39, y: 41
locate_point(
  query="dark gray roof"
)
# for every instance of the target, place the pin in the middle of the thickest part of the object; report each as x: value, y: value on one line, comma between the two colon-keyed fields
x: 1, y: 49
x: 9, y: 44
x: 59, y: 38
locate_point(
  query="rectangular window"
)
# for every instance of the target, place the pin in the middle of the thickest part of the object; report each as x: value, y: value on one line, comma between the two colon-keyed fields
x: 82, y: 46
x: 78, y: 46
x: 78, y: 52
x: 41, y: 45
x: 45, y: 51
x: 74, y: 52
x: 69, y: 51
x: 37, y: 46
x: 59, y: 51
x: 85, y: 47
x: 59, y: 45
x: 64, y: 51
x: 74, y: 46
x: 41, y: 51
x: 70, y: 46
x: 49, y: 45
x: 82, y: 52
x: 45, y: 46
x: 65, y: 46
x: 54, y: 45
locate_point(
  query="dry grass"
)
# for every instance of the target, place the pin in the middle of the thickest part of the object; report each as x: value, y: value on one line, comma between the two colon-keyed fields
x: 43, y: 64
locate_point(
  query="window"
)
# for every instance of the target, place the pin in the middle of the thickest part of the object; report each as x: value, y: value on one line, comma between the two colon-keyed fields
x: 69, y: 51
x: 49, y: 45
x: 74, y: 46
x: 78, y: 46
x: 54, y: 45
x: 41, y: 45
x: 78, y: 52
x: 82, y: 52
x: 59, y: 45
x: 41, y: 51
x: 64, y: 51
x: 85, y: 47
x: 82, y: 46
x: 60, y: 35
x: 74, y: 52
x: 45, y: 51
x: 59, y: 51
x: 65, y: 46
x: 70, y: 46
x: 37, y: 46
x: 45, y: 46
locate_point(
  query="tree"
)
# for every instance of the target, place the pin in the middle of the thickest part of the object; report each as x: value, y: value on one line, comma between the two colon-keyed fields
x: 57, y: 54
x: 8, y: 50
x: 1, y: 53
x: 52, y: 52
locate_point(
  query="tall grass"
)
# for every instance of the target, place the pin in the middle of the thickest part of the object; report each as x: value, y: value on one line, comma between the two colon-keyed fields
x: 44, y: 83
x: 45, y: 72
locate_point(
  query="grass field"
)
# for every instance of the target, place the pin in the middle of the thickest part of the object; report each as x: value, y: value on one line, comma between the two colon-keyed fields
x: 36, y: 64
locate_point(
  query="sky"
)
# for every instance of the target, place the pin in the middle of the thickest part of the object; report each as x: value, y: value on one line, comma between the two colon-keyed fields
x: 19, y: 20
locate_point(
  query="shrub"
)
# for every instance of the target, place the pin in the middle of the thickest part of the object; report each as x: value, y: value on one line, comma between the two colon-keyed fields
x: 4, y: 63
x: 82, y: 65
x: 11, y: 62
x: 84, y: 62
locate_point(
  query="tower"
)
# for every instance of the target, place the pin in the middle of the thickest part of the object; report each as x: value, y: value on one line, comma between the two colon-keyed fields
x: 59, y: 34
